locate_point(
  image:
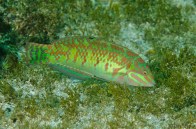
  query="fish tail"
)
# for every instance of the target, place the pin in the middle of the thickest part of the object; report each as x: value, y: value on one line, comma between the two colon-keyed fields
x: 36, y: 53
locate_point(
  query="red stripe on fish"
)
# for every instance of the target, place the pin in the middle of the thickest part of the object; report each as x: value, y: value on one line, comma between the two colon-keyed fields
x: 138, y: 78
x: 115, y: 71
x: 106, y: 66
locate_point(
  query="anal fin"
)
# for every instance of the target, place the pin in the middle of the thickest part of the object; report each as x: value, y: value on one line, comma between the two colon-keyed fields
x: 72, y: 72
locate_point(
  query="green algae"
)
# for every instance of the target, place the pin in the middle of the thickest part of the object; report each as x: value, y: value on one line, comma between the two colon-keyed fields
x: 8, y: 91
x: 170, y: 104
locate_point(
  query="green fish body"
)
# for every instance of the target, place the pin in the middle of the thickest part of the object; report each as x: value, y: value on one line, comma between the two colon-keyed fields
x: 86, y: 58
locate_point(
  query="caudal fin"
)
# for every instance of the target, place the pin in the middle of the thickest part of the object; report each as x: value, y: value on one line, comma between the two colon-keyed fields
x: 36, y: 53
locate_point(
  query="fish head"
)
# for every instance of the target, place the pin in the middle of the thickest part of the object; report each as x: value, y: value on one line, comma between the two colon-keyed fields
x: 139, y: 74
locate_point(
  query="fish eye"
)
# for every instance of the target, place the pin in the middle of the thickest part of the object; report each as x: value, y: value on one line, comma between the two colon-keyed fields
x: 145, y: 73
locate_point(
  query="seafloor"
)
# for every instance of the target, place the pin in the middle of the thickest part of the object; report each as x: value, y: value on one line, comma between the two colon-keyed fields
x: 163, y: 32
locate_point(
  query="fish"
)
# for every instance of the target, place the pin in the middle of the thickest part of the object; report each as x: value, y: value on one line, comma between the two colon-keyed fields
x: 86, y: 57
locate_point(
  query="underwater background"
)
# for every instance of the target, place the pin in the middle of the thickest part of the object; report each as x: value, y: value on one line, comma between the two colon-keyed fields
x: 162, y: 32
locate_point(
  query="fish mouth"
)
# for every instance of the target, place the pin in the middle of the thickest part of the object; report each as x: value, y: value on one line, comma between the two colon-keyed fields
x: 151, y: 84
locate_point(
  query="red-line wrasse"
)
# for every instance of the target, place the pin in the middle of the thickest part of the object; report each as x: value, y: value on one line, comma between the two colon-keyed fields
x: 85, y: 58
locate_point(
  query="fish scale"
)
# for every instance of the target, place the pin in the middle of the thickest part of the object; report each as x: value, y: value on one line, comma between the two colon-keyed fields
x: 85, y: 58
